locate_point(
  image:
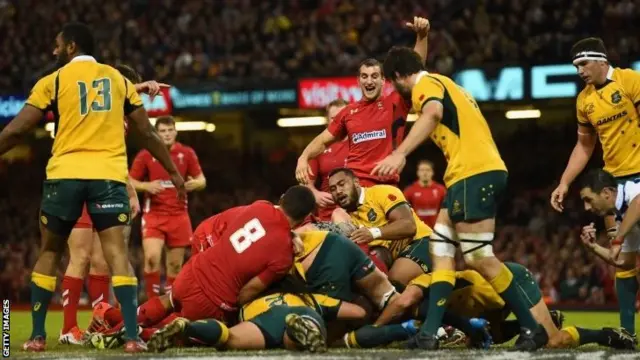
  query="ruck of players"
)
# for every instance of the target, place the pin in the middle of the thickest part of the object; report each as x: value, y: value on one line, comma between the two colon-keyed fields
x: 344, y: 258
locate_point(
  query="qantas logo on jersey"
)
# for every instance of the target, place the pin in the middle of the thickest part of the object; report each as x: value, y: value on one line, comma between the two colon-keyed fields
x: 368, y: 136
x: 612, y: 118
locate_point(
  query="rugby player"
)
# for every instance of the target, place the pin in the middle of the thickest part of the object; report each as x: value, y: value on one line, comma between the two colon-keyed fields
x: 255, y: 250
x: 88, y: 165
x: 165, y: 222
x: 334, y: 156
x: 474, y: 298
x: 385, y: 222
x: 425, y: 195
x: 607, y: 109
x: 373, y: 126
x: 475, y: 178
x: 84, y: 247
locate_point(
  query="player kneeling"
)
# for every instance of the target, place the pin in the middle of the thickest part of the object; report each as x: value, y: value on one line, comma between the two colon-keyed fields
x: 473, y: 299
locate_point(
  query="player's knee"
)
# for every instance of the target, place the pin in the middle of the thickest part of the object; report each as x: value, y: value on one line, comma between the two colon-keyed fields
x: 98, y: 265
x: 174, y: 266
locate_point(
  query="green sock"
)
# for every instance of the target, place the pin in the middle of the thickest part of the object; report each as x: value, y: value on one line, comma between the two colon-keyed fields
x: 128, y: 299
x: 508, y: 290
x: 40, y: 299
x: 626, y: 290
x: 370, y: 336
x: 208, y: 332
x: 439, y: 293
x: 588, y: 336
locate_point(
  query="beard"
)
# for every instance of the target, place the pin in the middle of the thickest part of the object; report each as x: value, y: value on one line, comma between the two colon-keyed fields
x: 62, y: 59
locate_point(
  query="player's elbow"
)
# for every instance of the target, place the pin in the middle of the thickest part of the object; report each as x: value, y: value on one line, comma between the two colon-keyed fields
x: 409, y: 227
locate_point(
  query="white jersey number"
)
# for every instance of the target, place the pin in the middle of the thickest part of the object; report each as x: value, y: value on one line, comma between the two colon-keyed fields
x: 251, y: 232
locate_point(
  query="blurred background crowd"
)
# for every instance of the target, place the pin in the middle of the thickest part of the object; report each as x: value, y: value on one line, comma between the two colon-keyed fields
x: 284, y: 39
x: 232, y: 40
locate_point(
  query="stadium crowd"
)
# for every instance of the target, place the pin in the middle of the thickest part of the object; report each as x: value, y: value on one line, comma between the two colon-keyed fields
x: 529, y: 232
x: 280, y: 39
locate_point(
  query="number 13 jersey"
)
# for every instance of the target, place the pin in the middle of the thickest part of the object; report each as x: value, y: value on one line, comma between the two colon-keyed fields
x: 89, y: 101
x: 256, y: 242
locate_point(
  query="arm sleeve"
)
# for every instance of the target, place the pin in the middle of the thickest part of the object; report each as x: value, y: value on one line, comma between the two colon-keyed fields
x: 631, y: 85
x: 139, y: 167
x: 580, y: 114
x: 389, y: 197
x: 338, y: 127
x: 313, y: 164
x: 193, y: 168
x: 426, y: 89
x: 42, y: 93
x: 132, y: 100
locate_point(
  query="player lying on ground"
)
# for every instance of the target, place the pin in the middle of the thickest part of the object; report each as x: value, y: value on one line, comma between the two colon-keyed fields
x: 385, y: 222
x: 474, y: 300
x: 282, y: 318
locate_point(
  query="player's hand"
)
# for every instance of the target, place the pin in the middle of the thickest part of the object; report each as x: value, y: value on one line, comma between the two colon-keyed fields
x: 191, y: 185
x: 303, y: 172
x: 361, y: 236
x: 558, y: 195
x: 134, y: 203
x: 420, y: 25
x: 178, y: 182
x: 391, y: 165
x: 151, y: 88
x: 154, y: 187
x: 588, y: 235
x: 323, y: 199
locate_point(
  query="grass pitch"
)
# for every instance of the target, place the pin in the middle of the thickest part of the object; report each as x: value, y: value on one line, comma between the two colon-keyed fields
x: 21, y: 328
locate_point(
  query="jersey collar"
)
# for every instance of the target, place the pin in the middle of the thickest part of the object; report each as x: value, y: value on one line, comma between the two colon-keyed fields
x: 421, y: 74
x: 361, y: 199
x: 610, y: 73
x: 83, y: 58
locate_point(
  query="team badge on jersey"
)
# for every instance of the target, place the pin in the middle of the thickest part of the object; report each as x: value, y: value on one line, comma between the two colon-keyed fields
x: 392, y: 197
x: 371, y: 215
x: 616, y: 97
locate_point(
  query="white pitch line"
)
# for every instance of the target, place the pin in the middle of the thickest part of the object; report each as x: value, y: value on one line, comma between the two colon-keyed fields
x: 595, y: 355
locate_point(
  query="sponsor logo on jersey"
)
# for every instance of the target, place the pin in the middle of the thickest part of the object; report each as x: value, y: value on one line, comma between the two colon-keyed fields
x: 612, y: 118
x: 110, y: 206
x: 368, y: 136
x: 166, y: 184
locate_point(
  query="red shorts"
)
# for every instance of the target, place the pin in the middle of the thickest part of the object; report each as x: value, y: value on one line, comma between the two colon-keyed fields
x: 175, y: 230
x: 376, y: 260
x: 189, y: 300
x: 84, y: 221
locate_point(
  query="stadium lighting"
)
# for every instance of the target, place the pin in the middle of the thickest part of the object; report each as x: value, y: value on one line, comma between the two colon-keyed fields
x: 523, y: 114
x: 302, y: 121
x: 180, y: 126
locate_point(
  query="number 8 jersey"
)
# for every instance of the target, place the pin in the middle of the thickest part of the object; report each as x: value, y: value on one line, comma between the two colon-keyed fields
x: 256, y: 242
x: 89, y: 101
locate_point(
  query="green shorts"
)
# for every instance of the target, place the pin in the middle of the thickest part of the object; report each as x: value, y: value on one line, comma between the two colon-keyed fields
x: 337, y: 265
x: 477, y: 197
x: 63, y: 199
x: 418, y: 252
x: 624, y: 179
x: 273, y: 326
x: 526, y: 283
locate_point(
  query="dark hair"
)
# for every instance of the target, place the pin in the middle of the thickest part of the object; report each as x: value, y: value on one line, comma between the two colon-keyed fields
x: 81, y: 35
x: 425, y: 161
x: 165, y: 120
x: 291, y: 284
x: 403, y: 61
x: 588, y: 44
x: 370, y: 62
x: 298, y: 202
x: 344, y: 170
x: 597, y: 180
x: 128, y: 72
x: 339, y: 102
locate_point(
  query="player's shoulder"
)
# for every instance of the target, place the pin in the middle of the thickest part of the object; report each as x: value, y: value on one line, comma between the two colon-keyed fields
x: 143, y: 154
x: 625, y: 73
x: 383, y: 189
x: 383, y: 192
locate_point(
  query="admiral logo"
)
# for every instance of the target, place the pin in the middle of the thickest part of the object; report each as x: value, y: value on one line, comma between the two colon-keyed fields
x: 612, y: 118
x: 368, y: 136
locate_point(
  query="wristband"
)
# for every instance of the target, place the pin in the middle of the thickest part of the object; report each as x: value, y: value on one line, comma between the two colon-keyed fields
x: 617, y: 241
x: 375, y: 232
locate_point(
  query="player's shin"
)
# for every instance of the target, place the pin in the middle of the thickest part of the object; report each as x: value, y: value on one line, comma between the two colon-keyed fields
x: 210, y: 332
x: 42, y: 288
x: 626, y: 290
x: 373, y: 336
x: 442, y: 281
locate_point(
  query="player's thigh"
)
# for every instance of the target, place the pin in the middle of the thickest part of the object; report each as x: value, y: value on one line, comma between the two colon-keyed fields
x: 246, y: 336
x: 403, y: 271
x: 332, y: 269
x: 80, y: 245
x: 62, y: 203
x: 189, y: 300
x: 418, y: 252
x: 179, y: 232
x: 108, y: 204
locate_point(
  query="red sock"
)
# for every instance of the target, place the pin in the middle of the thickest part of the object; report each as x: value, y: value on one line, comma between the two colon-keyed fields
x: 167, y: 320
x: 152, y: 284
x: 98, y: 289
x: 151, y: 312
x: 113, y: 316
x: 169, y: 284
x: 71, y: 290
x: 146, y: 333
